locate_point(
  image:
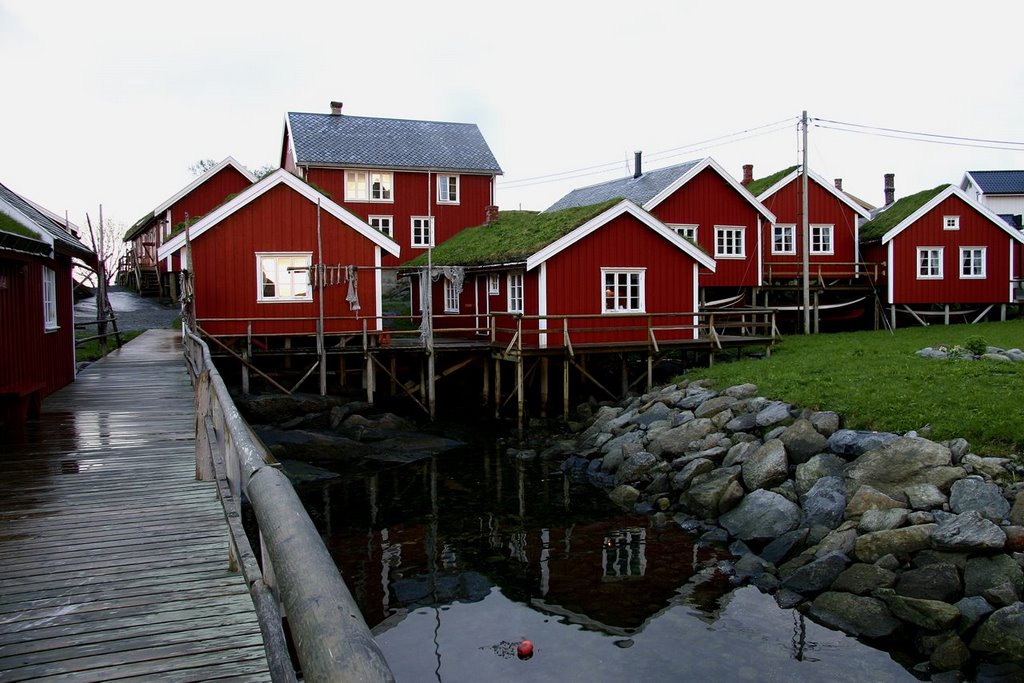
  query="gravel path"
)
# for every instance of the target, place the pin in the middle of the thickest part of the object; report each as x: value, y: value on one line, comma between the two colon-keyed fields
x: 133, y: 311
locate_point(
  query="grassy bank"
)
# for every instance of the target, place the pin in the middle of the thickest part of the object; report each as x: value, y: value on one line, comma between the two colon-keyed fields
x: 874, y: 381
x: 90, y: 350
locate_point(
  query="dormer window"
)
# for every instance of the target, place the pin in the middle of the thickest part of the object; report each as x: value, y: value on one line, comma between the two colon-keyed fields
x: 951, y: 222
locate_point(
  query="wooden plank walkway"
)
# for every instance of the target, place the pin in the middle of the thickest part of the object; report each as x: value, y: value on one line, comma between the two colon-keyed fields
x: 113, y: 558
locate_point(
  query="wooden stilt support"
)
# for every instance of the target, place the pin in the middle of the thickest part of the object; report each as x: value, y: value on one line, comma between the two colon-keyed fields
x: 625, y: 374
x: 394, y: 380
x: 394, y: 374
x: 945, y: 314
x: 342, y: 371
x: 432, y: 388
x: 247, y: 356
x: 565, y: 389
x: 1002, y: 313
x: 227, y: 348
x: 288, y: 356
x: 650, y: 371
x: 321, y: 351
x: 817, y: 314
x: 593, y: 379
x: 497, y: 387
x: 370, y: 378
x: 544, y: 387
x: 892, y: 317
x: 520, y: 403
x: 487, y: 383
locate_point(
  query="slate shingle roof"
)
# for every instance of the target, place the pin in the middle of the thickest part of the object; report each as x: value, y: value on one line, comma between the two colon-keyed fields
x: 999, y: 182
x: 64, y: 240
x: 638, y: 190
x: 389, y: 143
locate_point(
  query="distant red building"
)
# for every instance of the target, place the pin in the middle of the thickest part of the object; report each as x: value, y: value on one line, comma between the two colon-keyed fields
x: 141, y: 269
x: 260, y: 258
x: 37, y: 327
x: 702, y: 203
x: 945, y: 251
x: 418, y: 182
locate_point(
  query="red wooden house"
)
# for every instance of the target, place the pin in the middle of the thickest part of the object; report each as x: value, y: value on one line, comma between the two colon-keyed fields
x: 418, y: 182
x: 600, y: 275
x: 140, y: 267
x: 261, y: 260
x: 944, y: 251
x: 703, y: 203
x: 37, y: 333
x: 833, y: 226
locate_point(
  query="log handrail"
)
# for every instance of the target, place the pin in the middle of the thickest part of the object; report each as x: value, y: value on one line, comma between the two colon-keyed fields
x: 330, y: 636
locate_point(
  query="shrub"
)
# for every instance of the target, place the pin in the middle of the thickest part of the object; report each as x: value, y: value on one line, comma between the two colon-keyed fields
x: 976, y: 345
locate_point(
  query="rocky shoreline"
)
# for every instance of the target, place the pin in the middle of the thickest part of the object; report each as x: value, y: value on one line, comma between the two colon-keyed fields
x: 882, y: 536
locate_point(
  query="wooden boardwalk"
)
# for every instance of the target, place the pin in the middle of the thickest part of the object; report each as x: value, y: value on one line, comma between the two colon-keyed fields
x: 113, y: 558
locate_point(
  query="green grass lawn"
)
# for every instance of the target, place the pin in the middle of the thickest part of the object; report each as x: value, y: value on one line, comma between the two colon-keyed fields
x: 90, y: 350
x: 874, y: 381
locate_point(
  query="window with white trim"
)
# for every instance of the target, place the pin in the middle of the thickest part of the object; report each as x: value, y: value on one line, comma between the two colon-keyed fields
x: 972, y: 263
x: 783, y: 239
x: 451, y: 297
x: 423, y: 231
x: 623, y: 290
x: 730, y: 242
x: 447, y: 189
x: 49, y: 299
x: 685, y: 230
x: 929, y: 263
x: 951, y: 222
x: 382, y: 223
x: 369, y: 186
x: 821, y: 239
x: 284, y: 277
x: 515, y: 292
x: 493, y: 284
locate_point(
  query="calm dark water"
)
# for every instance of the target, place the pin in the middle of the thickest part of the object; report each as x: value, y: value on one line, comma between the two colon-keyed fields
x: 455, y: 559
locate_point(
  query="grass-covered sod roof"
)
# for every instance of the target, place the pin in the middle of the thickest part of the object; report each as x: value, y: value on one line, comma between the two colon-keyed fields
x: 756, y: 187
x: 13, y: 227
x: 511, y: 238
x: 876, y: 228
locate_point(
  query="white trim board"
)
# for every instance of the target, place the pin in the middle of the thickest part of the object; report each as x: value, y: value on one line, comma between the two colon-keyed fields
x: 708, y: 162
x: 942, y: 196
x: 228, y: 161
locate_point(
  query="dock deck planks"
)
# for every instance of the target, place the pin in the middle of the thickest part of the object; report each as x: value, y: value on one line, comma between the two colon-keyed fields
x: 114, y: 558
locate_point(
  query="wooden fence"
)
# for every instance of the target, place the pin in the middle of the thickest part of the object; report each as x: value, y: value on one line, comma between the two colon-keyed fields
x: 295, y: 570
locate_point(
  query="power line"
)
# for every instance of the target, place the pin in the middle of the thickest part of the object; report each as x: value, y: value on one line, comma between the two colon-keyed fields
x: 916, y: 136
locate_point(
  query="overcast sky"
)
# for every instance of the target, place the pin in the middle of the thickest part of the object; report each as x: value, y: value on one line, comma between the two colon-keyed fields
x: 110, y: 102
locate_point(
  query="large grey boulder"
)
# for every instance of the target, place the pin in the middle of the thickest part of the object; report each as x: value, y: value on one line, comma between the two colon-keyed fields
x: 766, y: 467
x: 625, y: 496
x: 903, y: 462
x: 925, y: 496
x: 854, y: 614
x: 802, y: 441
x: 714, y: 406
x: 825, y: 421
x: 678, y: 439
x: 991, y: 468
x: 825, y: 504
x: 869, y: 498
x: 761, y: 515
x: 821, y: 465
x: 973, y: 610
x: 1002, y: 633
x: 984, y: 573
x: 973, y: 493
x: 741, y: 391
x: 780, y: 550
x: 851, y: 443
x: 931, y: 615
x: 937, y: 581
x: 871, y: 547
x: 636, y: 467
x: 774, y: 413
x: 738, y: 453
x: 631, y: 440
x: 817, y: 575
x: 692, y: 469
x: 862, y: 578
x: 968, y: 531
x: 709, y: 494
x: 744, y: 422
x: 881, y: 520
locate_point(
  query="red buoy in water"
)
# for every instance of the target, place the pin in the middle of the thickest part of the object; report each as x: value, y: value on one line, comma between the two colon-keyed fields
x: 525, y: 650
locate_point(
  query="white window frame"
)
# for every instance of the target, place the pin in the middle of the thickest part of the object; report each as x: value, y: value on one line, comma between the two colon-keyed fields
x: 49, y: 299
x: 929, y: 275
x: 688, y: 231
x: 820, y: 231
x: 734, y: 247
x: 983, y: 265
x: 493, y: 284
x: 359, y: 186
x: 515, y: 293
x: 416, y: 226
x: 383, y: 224
x: 451, y: 297
x: 783, y: 228
x: 445, y: 189
x: 611, y: 294
x: 296, y: 276
x: 951, y: 222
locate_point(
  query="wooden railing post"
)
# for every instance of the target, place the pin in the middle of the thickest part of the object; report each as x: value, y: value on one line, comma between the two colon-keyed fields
x: 204, y: 449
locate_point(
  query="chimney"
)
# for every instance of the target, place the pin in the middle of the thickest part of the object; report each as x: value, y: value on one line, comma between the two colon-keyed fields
x: 490, y: 214
x: 748, y: 174
x: 839, y: 184
x: 890, y: 188
x: 637, y: 169
x: 336, y: 108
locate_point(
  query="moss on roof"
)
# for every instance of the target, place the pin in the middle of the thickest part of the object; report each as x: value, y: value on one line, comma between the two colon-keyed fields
x: 876, y: 228
x: 510, y: 238
x: 756, y: 187
x: 13, y: 227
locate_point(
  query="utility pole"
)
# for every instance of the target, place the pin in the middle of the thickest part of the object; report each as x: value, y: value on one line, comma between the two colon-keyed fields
x: 806, y: 238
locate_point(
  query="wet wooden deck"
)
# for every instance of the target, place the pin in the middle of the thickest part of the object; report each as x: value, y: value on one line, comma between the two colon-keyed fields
x: 113, y: 558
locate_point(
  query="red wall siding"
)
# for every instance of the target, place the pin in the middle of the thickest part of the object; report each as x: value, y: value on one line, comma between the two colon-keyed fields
x: 30, y: 355
x: 708, y: 200
x: 975, y: 231
x: 414, y: 197
x: 280, y: 220
x: 823, y: 207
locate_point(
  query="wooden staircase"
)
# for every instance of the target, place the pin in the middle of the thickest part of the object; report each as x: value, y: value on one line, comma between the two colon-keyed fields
x: 149, y: 281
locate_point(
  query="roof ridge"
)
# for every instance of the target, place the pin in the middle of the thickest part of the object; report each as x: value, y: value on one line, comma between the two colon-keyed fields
x: 383, y: 118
